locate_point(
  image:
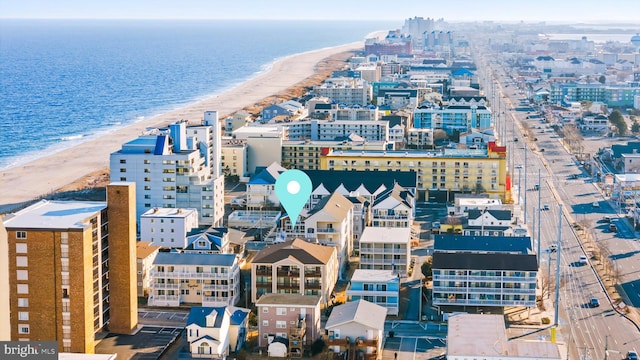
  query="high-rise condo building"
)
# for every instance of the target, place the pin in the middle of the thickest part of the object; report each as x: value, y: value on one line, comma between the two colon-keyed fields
x: 72, y: 269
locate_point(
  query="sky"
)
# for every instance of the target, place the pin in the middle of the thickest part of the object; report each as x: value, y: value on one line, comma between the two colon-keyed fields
x: 462, y: 10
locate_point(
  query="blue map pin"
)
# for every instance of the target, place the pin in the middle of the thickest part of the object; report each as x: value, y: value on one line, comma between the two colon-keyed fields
x: 293, y: 188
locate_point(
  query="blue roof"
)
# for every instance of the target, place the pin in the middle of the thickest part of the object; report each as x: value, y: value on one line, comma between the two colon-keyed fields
x: 486, y: 244
x: 198, y: 314
x: 238, y: 316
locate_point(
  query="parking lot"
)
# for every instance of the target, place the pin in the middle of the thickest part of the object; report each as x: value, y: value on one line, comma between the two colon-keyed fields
x: 413, y: 348
x: 159, y: 317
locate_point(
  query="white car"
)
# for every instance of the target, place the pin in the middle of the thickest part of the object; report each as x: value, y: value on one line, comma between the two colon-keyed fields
x: 595, y: 204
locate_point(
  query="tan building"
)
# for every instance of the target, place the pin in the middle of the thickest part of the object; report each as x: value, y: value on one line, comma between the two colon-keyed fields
x: 294, y: 267
x: 72, y: 269
x: 145, y: 254
x: 305, y: 154
x: 5, y: 311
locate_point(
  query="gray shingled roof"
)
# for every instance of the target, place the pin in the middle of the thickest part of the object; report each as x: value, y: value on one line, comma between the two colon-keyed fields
x: 361, y: 311
x: 470, y: 261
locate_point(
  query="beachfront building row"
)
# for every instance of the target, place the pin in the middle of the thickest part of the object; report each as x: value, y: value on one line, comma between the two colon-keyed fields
x: 451, y: 170
x: 192, y: 278
x: 178, y: 167
x: 72, y: 270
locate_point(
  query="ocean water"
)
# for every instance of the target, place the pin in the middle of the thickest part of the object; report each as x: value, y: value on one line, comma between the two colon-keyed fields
x: 67, y: 81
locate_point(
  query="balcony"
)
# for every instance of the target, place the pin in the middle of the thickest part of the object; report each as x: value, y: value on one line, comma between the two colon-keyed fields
x: 214, y: 287
x: 157, y: 285
x: 288, y: 273
x: 325, y: 230
x: 373, y: 293
x: 266, y: 272
x: 390, y: 217
x: 190, y: 275
x: 312, y: 285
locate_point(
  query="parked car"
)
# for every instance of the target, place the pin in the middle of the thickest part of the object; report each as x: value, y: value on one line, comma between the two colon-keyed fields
x: 613, y: 227
x: 594, y: 303
x: 595, y: 204
x: 545, y: 207
x: 632, y: 355
x: 583, y: 260
x: 553, y: 248
x: 606, y: 219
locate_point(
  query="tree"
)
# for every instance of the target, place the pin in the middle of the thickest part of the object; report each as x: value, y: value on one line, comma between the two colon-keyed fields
x: 439, y: 135
x: 602, y: 79
x: 617, y: 120
x: 427, y: 268
x: 635, y: 127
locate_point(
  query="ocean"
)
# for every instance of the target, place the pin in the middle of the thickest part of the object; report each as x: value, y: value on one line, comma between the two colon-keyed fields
x: 67, y: 81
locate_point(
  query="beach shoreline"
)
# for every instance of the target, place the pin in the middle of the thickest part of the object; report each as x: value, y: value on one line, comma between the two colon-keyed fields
x: 48, y: 174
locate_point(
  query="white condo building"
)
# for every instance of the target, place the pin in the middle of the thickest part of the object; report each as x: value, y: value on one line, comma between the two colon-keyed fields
x: 348, y: 91
x: 178, y: 167
x: 168, y: 227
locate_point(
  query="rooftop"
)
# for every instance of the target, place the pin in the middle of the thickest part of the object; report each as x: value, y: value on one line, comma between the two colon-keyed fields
x: 384, y: 276
x: 174, y: 258
x: 48, y: 214
x: 386, y: 235
x: 288, y: 299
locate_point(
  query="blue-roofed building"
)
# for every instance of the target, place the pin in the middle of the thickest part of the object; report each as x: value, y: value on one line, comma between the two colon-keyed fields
x: 192, y: 278
x: 381, y: 287
x: 212, y: 332
x: 208, y: 241
x: 452, y: 118
x: 261, y: 191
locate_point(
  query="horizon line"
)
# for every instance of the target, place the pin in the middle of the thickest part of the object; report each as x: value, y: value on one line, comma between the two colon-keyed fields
x: 612, y: 22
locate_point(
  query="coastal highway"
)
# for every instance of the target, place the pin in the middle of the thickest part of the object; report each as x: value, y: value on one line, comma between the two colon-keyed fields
x: 588, y: 330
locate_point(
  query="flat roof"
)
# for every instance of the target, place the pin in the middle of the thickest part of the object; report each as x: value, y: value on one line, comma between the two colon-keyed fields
x: 51, y: 214
x: 288, y: 299
x: 169, y: 212
x: 374, y: 275
x: 386, y: 235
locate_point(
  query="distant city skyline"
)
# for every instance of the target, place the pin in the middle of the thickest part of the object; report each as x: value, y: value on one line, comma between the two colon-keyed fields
x: 586, y: 11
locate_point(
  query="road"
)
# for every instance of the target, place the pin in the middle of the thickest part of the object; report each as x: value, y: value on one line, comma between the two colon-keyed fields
x: 588, y: 330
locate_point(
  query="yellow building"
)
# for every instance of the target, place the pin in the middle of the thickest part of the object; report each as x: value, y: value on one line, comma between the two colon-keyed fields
x: 306, y: 154
x: 72, y: 269
x: 451, y: 170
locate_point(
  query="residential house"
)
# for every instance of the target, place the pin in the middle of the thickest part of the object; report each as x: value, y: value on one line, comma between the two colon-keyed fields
x: 294, y: 317
x: 381, y: 287
x: 484, y: 336
x: 294, y: 267
x: 192, y: 278
x: 487, y: 222
x: 145, y: 255
x: 208, y: 241
x: 394, y: 207
x: 207, y: 332
x: 357, y: 326
x: 214, y: 332
x: 261, y: 188
x: 291, y: 109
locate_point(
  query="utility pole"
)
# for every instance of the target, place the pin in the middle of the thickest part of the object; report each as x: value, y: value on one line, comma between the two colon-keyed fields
x: 539, y: 218
x: 525, y: 183
x: 557, y: 299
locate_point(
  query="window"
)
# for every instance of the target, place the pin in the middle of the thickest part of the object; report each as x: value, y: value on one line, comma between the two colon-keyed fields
x: 23, y: 315
x: 22, y: 302
x: 21, y: 234
x: 21, y: 248
x: 265, y: 310
x: 281, y: 324
x: 22, y: 275
x: 281, y: 311
x: 123, y: 161
x: 265, y: 322
x: 21, y: 261
x: 123, y: 170
x: 23, y: 329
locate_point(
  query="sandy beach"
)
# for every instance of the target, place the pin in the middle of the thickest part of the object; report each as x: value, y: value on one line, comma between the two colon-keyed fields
x: 47, y: 174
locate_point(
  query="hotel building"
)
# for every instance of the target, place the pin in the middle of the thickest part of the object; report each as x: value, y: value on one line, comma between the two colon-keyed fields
x: 72, y: 269
x: 449, y: 171
x: 176, y: 168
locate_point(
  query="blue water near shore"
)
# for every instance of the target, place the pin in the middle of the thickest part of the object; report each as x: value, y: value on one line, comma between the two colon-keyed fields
x: 67, y: 81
